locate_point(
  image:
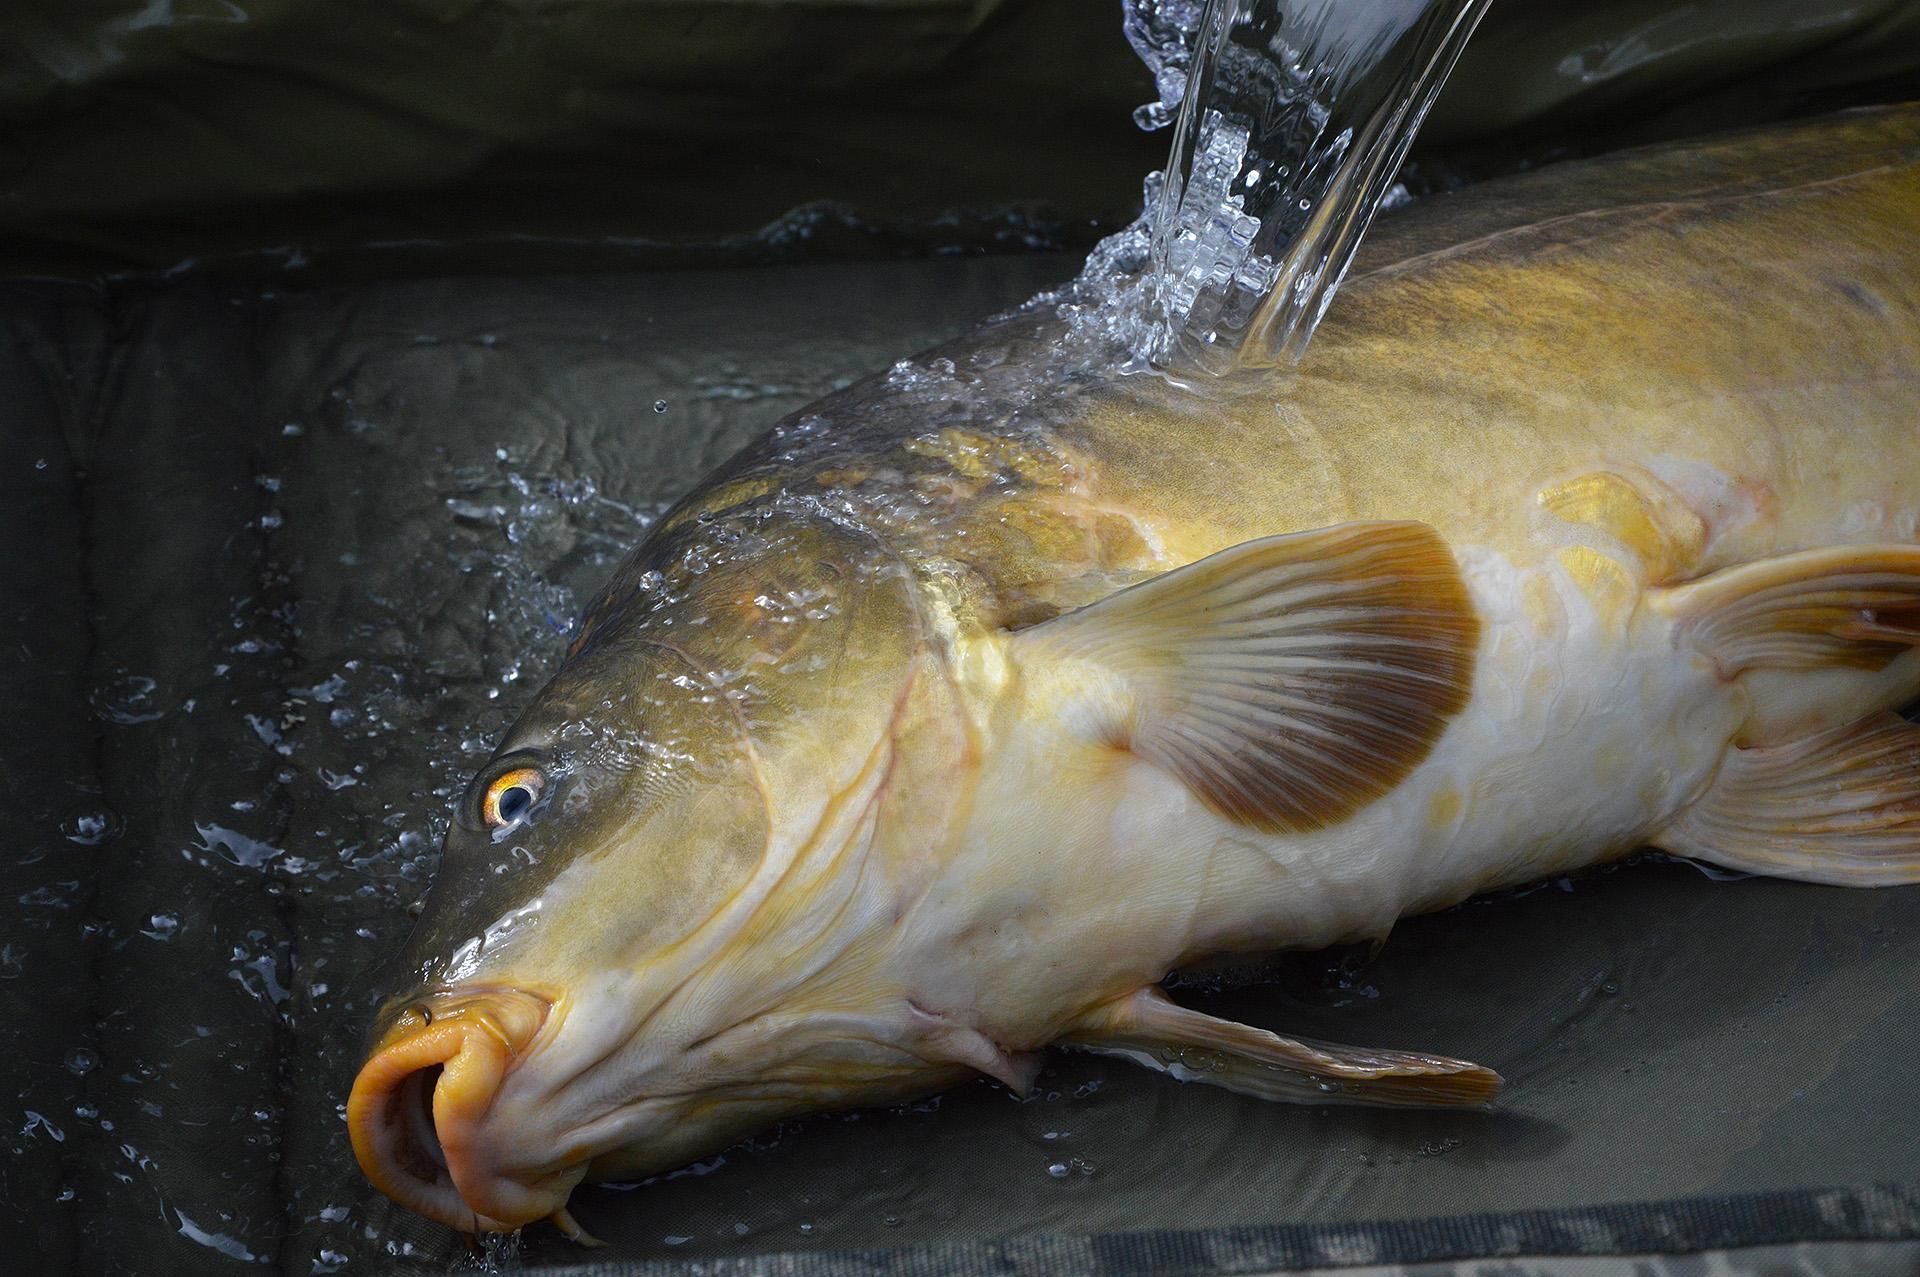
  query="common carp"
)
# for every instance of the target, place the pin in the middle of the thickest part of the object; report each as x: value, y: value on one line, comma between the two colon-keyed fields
x: 943, y: 722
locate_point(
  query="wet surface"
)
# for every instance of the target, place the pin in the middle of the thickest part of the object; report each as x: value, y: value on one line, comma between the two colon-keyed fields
x: 283, y: 567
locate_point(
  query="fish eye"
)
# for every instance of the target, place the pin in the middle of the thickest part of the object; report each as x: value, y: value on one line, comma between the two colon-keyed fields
x: 511, y: 795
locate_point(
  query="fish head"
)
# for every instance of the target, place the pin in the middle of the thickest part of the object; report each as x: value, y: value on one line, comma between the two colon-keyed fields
x: 660, y: 917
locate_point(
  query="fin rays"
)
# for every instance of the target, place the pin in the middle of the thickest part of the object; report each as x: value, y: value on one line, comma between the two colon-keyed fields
x: 1152, y: 1029
x: 1841, y: 807
x: 1287, y: 681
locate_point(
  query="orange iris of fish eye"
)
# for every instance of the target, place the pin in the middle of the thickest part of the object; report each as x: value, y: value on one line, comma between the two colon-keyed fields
x: 511, y: 795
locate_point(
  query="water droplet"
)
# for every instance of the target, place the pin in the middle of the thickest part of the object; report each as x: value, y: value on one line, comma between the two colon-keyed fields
x: 807, y: 1227
x: 89, y: 829
x: 659, y: 405
x: 82, y: 1061
x: 1057, y: 1169
x: 1152, y: 116
x: 127, y: 700
x: 1610, y: 987
x: 237, y: 848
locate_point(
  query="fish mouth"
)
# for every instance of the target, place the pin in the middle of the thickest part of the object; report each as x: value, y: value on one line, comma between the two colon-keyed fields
x: 418, y: 1112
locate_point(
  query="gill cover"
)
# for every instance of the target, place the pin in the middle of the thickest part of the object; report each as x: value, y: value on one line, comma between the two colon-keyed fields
x: 731, y: 679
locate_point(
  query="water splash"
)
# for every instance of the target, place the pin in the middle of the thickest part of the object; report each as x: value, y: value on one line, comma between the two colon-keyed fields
x: 1296, y: 116
x: 231, y: 1247
x: 1162, y: 32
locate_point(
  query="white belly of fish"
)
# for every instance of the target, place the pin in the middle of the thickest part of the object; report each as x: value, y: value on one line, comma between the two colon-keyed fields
x: 1742, y: 719
x: 1587, y: 730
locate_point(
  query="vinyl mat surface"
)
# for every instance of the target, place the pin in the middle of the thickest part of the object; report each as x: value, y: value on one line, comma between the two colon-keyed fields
x: 282, y: 564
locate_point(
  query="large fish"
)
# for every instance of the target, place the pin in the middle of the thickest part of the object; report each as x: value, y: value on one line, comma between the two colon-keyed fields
x: 943, y: 722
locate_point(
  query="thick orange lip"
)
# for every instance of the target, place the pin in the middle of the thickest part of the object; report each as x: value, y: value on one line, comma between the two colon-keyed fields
x: 417, y: 1109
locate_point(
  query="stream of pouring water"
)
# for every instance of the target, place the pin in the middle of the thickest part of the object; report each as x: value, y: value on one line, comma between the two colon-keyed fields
x: 1293, y: 117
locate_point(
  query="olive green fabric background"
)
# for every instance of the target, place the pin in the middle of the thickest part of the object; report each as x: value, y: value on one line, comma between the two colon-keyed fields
x: 138, y: 133
x: 282, y: 565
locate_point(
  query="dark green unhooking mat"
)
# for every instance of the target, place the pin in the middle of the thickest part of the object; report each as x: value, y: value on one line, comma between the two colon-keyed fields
x: 138, y: 133
x: 279, y: 566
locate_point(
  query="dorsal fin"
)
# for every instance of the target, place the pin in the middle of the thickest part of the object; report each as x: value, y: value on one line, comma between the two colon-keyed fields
x: 1287, y: 681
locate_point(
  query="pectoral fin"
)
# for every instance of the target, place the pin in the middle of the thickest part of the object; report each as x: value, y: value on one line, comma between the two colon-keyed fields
x: 570, y: 1229
x: 1149, y: 1028
x: 1841, y: 808
x: 1287, y: 681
